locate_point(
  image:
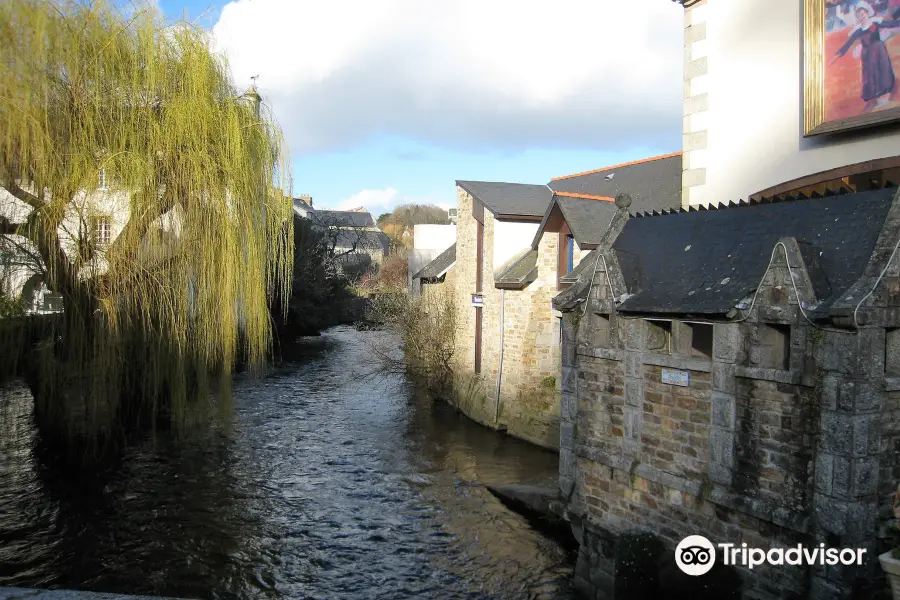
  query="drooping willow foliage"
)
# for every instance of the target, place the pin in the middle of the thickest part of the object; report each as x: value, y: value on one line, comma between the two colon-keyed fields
x: 151, y: 186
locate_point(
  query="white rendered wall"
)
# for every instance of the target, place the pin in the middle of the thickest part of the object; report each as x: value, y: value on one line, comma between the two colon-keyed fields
x: 753, y: 123
x: 511, y: 239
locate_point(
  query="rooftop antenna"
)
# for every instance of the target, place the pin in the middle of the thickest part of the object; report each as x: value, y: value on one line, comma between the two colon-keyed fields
x: 254, y: 78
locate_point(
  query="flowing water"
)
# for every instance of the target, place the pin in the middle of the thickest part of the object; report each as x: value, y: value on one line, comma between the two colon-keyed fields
x: 326, y: 484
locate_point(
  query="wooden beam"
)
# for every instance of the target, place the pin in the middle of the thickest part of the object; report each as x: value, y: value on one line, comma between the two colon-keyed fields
x: 843, y: 173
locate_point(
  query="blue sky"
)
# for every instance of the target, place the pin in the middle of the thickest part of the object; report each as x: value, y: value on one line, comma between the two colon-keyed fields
x: 384, y: 102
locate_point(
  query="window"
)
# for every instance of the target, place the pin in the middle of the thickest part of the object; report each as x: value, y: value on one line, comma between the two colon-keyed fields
x: 659, y: 337
x: 570, y: 254
x: 101, y: 230
x: 101, y: 179
x: 701, y: 339
x: 775, y: 342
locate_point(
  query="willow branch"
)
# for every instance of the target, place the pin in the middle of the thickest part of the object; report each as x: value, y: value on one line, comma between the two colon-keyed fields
x: 27, y: 197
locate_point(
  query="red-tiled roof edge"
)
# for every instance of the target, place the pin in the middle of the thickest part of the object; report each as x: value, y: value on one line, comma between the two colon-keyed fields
x: 619, y: 166
x: 585, y: 196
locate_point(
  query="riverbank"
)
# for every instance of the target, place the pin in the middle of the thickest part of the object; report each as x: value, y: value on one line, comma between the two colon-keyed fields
x: 326, y: 481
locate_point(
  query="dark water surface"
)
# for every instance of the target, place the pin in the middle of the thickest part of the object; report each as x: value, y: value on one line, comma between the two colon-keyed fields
x: 326, y: 485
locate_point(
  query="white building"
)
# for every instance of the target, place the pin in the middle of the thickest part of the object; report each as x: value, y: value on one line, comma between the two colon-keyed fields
x: 744, y: 133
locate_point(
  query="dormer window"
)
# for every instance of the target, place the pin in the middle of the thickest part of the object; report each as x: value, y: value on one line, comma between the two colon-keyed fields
x: 570, y: 254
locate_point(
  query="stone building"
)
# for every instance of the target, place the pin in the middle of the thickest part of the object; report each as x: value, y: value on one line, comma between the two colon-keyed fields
x: 496, y: 223
x: 733, y: 373
x: 516, y: 244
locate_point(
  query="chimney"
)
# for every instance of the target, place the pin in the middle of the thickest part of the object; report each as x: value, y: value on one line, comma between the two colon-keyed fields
x: 255, y: 99
x: 307, y: 199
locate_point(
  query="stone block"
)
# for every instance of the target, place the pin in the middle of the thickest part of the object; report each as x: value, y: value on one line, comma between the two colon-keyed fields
x: 723, y: 408
x: 695, y: 68
x: 634, y: 393
x: 860, y: 522
x: 723, y: 377
x: 841, y: 476
x: 632, y: 421
x: 696, y: 104
x: 837, y: 433
x: 569, y: 376
x: 633, y: 365
x: 568, y: 408
x: 719, y: 473
x: 566, y: 463
x: 634, y: 334
x: 726, y: 342
x: 831, y: 514
x: 696, y: 140
x: 868, y: 396
x: 695, y: 33
x: 864, y: 427
x: 567, y: 434
x: 831, y: 384
x: 864, y: 477
x: 721, y: 446
x: 824, y: 472
x: 693, y: 177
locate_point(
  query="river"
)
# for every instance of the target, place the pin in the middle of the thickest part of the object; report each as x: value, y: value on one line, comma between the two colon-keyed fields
x: 328, y: 483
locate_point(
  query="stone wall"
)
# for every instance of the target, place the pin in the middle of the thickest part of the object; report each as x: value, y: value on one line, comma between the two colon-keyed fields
x: 784, y: 434
x: 529, y: 386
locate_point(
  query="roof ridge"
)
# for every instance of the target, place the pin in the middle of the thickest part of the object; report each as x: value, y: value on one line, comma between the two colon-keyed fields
x: 731, y: 204
x: 584, y: 196
x: 619, y: 166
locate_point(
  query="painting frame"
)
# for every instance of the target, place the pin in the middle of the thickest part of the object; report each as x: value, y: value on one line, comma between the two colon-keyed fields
x: 814, y: 123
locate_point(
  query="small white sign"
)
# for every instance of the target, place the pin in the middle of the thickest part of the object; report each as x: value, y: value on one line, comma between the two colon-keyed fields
x: 673, y: 377
x: 477, y: 300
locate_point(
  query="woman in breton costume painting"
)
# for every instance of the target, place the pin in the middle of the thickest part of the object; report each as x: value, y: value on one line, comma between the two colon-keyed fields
x: 877, y: 71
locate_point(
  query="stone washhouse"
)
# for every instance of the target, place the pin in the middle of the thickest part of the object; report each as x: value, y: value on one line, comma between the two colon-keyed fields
x: 735, y: 373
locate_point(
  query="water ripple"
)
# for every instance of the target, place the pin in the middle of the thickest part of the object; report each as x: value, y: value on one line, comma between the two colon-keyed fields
x: 327, y: 485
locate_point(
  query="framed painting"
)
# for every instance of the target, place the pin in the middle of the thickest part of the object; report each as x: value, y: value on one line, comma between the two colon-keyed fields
x: 851, y: 58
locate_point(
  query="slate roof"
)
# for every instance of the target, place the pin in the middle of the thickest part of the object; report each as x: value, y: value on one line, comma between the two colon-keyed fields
x: 587, y: 219
x: 653, y: 183
x: 365, y: 239
x: 440, y: 265
x: 342, y: 218
x: 706, y: 262
x: 520, y: 273
x: 511, y: 199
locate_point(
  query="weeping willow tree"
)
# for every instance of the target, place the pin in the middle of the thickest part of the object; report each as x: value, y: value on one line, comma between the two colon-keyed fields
x: 150, y: 193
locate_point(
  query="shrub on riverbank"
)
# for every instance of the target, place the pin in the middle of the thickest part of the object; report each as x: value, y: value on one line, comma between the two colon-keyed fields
x: 426, y: 326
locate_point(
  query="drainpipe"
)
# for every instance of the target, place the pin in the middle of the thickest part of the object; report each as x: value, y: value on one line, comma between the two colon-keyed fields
x: 500, y: 364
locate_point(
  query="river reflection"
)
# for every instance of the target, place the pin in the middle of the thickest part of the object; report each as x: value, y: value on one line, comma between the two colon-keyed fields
x: 327, y: 484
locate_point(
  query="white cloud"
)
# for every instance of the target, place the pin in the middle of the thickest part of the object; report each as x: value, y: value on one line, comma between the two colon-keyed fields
x: 463, y: 73
x: 370, y: 199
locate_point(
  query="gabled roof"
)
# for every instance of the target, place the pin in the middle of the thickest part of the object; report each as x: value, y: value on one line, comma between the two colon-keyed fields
x: 587, y: 219
x: 510, y: 199
x: 363, y: 239
x: 653, y: 183
x: 342, y: 218
x: 440, y: 265
x: 707, y: 262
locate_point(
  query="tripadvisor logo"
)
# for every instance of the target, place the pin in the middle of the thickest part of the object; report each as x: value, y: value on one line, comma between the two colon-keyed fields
x: 696, y: 555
